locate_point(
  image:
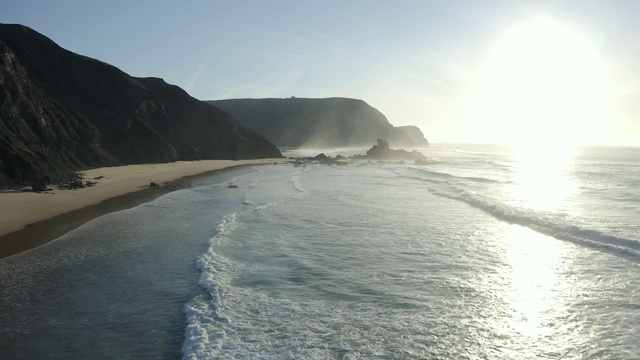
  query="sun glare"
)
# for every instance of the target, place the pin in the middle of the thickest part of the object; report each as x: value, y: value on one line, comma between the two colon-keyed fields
x: 538, y: 290
x: 542, y: 178
x: 542, y: 84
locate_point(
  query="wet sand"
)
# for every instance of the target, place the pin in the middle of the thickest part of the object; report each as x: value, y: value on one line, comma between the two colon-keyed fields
x: 29, y: 219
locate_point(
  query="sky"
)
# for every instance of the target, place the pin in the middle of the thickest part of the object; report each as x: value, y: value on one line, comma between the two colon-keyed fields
x: 463, y: 71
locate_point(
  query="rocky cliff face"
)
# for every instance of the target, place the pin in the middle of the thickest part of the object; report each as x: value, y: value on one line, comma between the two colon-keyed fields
x: 61, y: 112
x: 414, y: 134
x: 333, y: 122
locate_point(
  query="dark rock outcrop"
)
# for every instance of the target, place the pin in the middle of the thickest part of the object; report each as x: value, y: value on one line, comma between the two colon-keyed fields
x: 61, y: 112
x: 319, y: 123
x: 381, y: 151
x: 39, y: 185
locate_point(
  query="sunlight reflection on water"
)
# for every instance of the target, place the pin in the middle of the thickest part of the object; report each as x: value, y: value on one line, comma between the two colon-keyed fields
x: 542, y: 178
x: 537, y: 292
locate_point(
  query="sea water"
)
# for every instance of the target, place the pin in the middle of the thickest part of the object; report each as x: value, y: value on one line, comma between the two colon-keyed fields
x: 484, y: 252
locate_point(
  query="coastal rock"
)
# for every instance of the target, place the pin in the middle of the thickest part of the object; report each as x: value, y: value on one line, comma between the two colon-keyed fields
x: 71, y: 185
x: 39, y: 185
x: 154, y: 184
x: 378, y: 150
x: 382, y: 151
x: 321, y: 157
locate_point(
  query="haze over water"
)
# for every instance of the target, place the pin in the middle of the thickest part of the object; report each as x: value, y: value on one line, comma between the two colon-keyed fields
x: 482, y: 253
x: 494, y: 71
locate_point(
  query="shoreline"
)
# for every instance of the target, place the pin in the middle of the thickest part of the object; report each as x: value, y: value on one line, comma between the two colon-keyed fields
x: 29, y: 220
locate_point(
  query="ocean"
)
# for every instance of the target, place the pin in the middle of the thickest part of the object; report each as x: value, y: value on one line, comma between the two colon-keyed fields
x: 483, y: 253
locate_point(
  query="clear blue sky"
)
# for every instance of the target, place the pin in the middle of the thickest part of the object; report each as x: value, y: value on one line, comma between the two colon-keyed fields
x: 416, y: 61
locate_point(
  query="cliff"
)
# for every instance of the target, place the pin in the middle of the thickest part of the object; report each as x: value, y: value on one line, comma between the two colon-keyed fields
x: 61, y: 112
x: 332, y: 122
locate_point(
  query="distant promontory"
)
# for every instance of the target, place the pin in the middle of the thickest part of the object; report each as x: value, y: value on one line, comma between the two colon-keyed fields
x: 319, y: 123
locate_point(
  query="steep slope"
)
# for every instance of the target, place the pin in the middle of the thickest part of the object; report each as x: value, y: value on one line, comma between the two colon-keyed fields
x: 60, y: 112
x: 38, y: 136
x: 319, y: 122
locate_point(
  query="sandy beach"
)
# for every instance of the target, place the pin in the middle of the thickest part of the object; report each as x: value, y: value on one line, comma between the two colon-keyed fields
x: 19, y: 209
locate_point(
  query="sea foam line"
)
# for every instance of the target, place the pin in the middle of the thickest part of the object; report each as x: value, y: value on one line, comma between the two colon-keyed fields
x: 295, y: 180
x: 587, y: 237
x: 444, y: 175
x: 208, y: 328
x: 204, y: 335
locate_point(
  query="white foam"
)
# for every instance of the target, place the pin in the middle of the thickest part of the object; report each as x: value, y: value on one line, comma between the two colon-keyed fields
x: 444, y: 175
x: 545, y: 224
x: 295, y: 180
x: 203, y: 319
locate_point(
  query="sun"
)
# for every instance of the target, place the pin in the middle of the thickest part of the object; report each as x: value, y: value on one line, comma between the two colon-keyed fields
x: 542, y: 83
